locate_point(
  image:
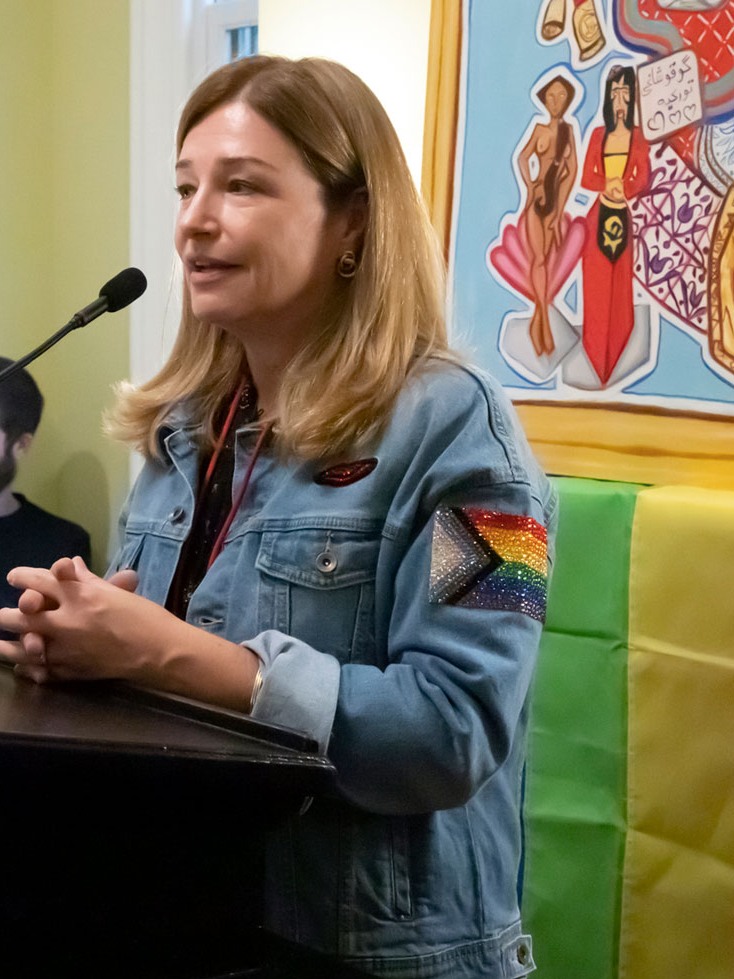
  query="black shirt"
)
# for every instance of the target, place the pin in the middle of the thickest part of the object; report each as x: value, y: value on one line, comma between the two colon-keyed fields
x: 34, y: 538
x: 214, y: 500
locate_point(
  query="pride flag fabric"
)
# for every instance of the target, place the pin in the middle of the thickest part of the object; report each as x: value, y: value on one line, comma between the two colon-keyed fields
x: 629, y: 804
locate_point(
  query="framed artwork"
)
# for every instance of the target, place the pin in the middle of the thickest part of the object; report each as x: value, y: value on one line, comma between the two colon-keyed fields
x: 580, y: 165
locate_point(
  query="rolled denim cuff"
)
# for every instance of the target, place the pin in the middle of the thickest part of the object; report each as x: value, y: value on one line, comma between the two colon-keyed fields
x: 300, y: 685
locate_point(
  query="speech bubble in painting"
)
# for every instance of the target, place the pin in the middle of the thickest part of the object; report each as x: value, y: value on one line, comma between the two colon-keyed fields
x: 670, y: 94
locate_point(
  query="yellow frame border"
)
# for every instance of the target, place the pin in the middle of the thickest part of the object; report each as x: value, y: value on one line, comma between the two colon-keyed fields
x: 441, y: 115
x: 630, y: 445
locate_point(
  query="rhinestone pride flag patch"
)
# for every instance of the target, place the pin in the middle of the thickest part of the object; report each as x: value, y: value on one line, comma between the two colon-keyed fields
x: 485, y: 559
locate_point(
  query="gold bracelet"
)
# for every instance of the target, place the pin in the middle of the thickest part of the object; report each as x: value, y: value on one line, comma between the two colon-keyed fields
x: 256, y: 686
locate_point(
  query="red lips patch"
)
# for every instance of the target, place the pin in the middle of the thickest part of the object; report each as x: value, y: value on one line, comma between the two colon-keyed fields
x: 345, y: 473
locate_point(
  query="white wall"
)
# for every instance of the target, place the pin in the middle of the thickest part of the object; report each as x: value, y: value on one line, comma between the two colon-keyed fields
x: 385, y: 42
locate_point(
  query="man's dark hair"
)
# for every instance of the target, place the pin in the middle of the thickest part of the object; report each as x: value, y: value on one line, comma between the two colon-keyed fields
x: 21, y: 403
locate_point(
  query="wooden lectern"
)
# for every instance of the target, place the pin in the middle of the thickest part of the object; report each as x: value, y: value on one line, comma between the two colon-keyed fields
x: 132, y: 829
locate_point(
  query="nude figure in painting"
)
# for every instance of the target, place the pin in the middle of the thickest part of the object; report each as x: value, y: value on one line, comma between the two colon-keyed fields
x: 552, y: 146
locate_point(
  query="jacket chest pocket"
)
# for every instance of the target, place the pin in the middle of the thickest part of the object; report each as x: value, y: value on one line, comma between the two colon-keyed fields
x: 128, y: 555
x: 317, y: 584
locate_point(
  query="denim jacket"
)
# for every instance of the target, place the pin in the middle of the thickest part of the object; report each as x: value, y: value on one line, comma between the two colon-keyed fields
x: 396, y: 601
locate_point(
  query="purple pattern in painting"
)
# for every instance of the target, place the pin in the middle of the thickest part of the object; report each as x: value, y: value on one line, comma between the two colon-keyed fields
x: 673, y: 224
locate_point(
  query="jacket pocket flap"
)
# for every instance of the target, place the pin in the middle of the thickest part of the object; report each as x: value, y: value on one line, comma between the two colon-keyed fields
x: 319, y: 557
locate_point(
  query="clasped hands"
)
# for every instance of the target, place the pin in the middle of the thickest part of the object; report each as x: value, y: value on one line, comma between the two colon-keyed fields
x: 74, y: 625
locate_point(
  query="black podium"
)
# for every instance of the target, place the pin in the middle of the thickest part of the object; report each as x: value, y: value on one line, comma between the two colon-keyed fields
x: 132, y: 831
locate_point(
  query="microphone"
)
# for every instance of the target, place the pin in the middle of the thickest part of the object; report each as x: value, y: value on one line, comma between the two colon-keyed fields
x: 120, y: 291
x: 123, y: 289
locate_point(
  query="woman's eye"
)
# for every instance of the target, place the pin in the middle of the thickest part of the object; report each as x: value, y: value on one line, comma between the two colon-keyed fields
x: 241, y: 187
x: 184, y: 191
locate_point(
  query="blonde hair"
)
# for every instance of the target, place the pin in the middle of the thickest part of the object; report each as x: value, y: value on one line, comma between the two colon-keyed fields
x: 385, y: 322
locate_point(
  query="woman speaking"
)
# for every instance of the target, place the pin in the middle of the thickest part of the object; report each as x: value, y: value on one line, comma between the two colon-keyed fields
x: 339, y: 528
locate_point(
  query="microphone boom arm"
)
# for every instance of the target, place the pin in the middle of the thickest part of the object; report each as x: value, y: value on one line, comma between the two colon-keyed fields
x: 123, y: 289
x: 73, y: 324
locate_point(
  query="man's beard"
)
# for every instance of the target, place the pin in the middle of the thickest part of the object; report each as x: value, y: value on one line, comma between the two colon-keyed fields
x: 8, y: 468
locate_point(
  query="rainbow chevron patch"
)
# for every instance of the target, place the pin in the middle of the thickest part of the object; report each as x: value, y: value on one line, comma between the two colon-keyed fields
x: 486, y: 559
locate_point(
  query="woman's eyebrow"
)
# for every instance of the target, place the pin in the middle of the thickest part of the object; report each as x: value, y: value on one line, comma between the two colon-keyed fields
x: 229, y: 162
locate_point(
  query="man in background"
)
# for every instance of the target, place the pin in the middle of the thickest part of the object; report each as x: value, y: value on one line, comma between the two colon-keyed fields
x: 28, y: 535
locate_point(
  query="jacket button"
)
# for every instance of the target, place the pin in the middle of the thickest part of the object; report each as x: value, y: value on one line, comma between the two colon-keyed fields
x: 177, y: 515
x: 326, y: 562
x: 523, y: 954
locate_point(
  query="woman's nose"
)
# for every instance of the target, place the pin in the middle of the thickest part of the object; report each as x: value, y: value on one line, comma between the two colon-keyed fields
x: 198, y: 216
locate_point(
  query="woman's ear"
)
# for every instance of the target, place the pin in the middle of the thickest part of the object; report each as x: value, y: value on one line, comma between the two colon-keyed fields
x: 357, y: 212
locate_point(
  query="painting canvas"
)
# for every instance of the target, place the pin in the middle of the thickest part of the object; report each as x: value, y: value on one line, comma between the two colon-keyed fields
x: 592, y: 253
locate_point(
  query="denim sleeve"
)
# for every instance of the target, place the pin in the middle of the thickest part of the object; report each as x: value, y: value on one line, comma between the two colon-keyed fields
x: 300, y: 685
x: 439, y: 711
x: 427, y: 731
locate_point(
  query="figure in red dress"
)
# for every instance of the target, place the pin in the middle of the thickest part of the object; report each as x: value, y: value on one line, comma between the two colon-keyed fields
x: 618, y: 167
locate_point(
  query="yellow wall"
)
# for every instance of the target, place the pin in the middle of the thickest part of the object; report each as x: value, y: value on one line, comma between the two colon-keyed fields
x: 64, y: 204
x: 25, y: 174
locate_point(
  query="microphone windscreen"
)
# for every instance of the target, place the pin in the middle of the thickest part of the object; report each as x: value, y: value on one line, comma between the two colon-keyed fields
x: 123, y: 289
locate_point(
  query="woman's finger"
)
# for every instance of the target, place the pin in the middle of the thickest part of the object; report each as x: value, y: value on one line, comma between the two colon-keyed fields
x: 11, y: 650
x: 37, y: 579
x: 64, y: 570
x: 13, y: 620
x: 39, y: 674
x: 127, y: 579
x: 32, y: 601
x: 82, y: 572
x: 74, y: 569
x: 16, y: 651
x: 34, y: 645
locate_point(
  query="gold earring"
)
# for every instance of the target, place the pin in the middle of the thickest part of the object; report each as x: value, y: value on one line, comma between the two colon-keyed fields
x: 347, y: 265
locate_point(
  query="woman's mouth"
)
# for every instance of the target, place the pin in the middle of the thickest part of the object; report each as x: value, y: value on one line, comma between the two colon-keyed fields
x: 201, y: 271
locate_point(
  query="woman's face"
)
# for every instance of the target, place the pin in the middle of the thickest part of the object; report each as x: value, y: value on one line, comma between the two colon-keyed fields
x: 556, y: 100
x: 258, y: 246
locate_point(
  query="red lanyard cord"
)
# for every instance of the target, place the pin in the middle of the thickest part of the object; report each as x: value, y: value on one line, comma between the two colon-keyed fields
x: 223, y: 434
x: 237, y: 501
